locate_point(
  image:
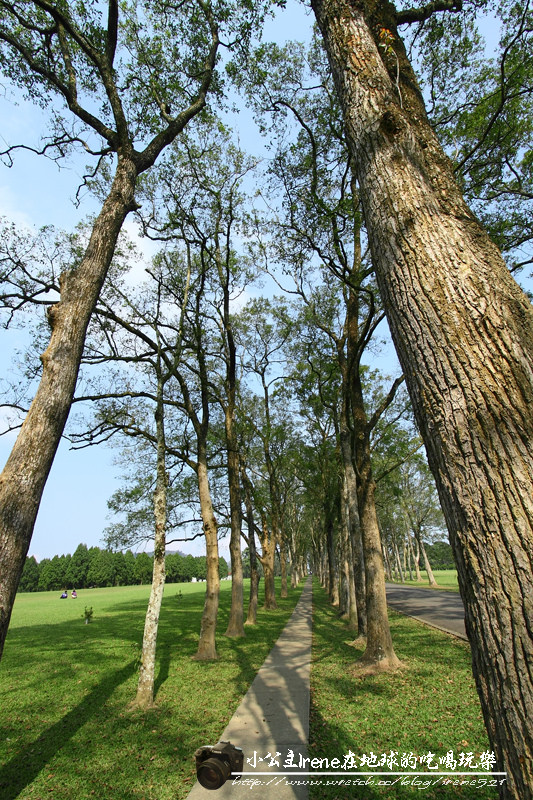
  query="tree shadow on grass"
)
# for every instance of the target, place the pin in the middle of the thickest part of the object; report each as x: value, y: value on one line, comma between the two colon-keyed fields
x: 165, y: 659
x: 330, y: 740
x: 24, y: 767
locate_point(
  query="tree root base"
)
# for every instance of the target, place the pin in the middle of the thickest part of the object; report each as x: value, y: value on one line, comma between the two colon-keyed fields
x: 140, y: 706
x: 365, y: 667
x: 206, y: 657
x: 359, y: 643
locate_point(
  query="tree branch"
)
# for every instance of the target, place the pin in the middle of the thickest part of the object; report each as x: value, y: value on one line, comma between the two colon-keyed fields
x: 148, y: 156
x: 422, y: 13
x: 385, y: 403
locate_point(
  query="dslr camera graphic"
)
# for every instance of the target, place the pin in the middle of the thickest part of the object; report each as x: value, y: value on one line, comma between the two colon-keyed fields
x: 215, y: 764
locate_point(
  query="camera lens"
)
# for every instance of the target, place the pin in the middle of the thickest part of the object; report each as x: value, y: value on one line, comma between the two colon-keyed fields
x: 213, y: 773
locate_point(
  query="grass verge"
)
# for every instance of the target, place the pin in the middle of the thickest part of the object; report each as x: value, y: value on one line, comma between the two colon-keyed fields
x: 65, y: 686
x: 446, y: 579
x: 430, y: 705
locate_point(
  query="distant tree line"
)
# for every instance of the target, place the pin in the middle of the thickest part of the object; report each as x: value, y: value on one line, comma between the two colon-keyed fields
x: 94, y: 567
x: 440, y: 555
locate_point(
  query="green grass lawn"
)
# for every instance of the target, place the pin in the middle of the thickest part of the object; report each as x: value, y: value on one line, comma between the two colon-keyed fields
x: 430, y: 705
x: 446, y: 579
x: 65, y: 731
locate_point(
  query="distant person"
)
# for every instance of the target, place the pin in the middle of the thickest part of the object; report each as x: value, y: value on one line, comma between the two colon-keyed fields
x: 64, y: 595
x: 74, y: 593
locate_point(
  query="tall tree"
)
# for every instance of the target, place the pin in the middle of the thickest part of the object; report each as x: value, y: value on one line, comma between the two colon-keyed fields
x: 262, y: 332
x: 463, y: 329
x: 480, y: 103
x: 420, y: 505
x: 206, y: 212
x: 30, y: 576
x: 318, y: 240
x: 121, y: 108
x: 78, y: 566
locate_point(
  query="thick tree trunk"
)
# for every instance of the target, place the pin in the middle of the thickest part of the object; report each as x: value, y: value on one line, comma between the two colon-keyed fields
x: 379, y: 649
x: 26, y: 471
x: 463, y: 330
x: 207, y: 644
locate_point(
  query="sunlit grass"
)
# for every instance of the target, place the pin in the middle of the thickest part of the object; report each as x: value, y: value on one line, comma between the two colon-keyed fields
x: 430, y: 705
x: 65, y: 731
x: 446, y: 579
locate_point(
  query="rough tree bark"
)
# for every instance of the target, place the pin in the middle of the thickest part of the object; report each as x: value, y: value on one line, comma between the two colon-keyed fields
x: 379, y: 650
x: 463, y: 330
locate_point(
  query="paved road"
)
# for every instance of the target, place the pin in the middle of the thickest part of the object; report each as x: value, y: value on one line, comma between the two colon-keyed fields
x: 440, y: 609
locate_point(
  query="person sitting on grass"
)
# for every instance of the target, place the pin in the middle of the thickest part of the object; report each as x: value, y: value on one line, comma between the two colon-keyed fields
x: 64, y: 595
x: 74, y: 593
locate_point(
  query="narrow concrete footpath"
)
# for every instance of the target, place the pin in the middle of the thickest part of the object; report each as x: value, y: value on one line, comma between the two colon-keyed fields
x: 273, y: 717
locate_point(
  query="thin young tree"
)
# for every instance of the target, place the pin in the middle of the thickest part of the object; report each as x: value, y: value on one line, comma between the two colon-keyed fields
x: 261, y: 333
x: 210, y: 214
